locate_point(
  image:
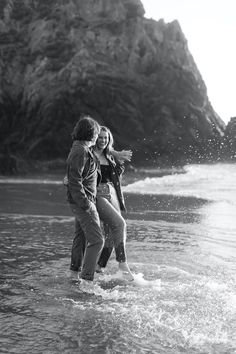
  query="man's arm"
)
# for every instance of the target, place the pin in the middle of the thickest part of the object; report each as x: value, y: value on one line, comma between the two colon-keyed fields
x: 75, y: 179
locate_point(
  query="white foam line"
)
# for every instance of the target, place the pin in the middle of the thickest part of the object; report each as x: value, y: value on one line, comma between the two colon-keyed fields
x: 36, y: 216
x: 163, y: 212
x: 29, y: 181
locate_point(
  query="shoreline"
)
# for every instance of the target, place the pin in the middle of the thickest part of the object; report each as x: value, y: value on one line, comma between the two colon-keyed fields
x: 133, y: 175
x: 50, y: 200
x: 129, y: 176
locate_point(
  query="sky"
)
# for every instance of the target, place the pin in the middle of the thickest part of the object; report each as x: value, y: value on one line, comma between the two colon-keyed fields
x: 210, y: 29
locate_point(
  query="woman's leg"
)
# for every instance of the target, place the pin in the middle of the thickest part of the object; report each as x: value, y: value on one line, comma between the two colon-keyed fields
x: 110, y: 216
x: 107, y: 249
x: 90, y: 224
x: 104, y: 258
x: 107, y: 191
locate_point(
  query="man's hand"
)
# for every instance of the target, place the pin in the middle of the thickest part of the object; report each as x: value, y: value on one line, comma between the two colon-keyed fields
x: 65, y: 181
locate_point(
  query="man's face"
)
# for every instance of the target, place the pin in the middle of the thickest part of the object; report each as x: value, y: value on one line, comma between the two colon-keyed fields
x: 93, y: 142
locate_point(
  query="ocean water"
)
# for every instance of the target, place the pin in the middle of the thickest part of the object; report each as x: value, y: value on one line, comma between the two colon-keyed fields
x: 181, y: 247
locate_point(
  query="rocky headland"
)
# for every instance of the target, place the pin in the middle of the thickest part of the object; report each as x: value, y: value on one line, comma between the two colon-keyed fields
x: 60, y: 59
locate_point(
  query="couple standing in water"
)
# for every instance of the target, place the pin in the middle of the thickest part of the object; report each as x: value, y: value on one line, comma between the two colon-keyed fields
x: 94, y: 194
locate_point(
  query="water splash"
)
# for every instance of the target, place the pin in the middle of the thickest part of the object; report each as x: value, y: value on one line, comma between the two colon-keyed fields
x: 201, y: 181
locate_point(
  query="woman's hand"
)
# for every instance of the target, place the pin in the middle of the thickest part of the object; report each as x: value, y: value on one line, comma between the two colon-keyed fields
x: 126, y: 155
x: 122, y: 156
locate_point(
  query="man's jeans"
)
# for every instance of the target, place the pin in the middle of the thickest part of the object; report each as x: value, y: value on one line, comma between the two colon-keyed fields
x: 89, y: 223
x: 114, y: 226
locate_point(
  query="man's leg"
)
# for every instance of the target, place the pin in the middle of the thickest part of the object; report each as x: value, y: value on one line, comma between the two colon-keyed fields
x: 78, y: 248
x: 90, y: 224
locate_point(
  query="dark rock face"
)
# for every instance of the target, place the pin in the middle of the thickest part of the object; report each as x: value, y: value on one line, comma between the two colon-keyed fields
x: 61, y: 59
x: 229, y: 141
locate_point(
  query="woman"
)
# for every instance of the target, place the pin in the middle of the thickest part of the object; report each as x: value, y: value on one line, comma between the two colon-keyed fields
x: 82, y: 174
x: 109, y: 203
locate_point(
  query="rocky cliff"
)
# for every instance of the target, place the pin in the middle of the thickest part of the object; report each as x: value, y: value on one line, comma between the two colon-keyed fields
x: 60, y: 59
x: 229, y: 141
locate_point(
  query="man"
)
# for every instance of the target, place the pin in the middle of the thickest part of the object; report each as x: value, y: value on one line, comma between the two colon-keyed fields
x: 82, y: 176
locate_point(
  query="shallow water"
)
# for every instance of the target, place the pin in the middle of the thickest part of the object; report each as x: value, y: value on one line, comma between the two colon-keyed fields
x: 181, y: 247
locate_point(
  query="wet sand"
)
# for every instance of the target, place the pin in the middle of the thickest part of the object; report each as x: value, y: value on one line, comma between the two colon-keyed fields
x: 50, y: 199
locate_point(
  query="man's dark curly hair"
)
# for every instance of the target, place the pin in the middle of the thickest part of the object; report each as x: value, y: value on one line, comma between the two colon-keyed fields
x: 85, y: 129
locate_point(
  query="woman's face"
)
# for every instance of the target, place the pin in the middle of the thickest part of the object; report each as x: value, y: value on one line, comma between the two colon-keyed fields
x: 102, y: 140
